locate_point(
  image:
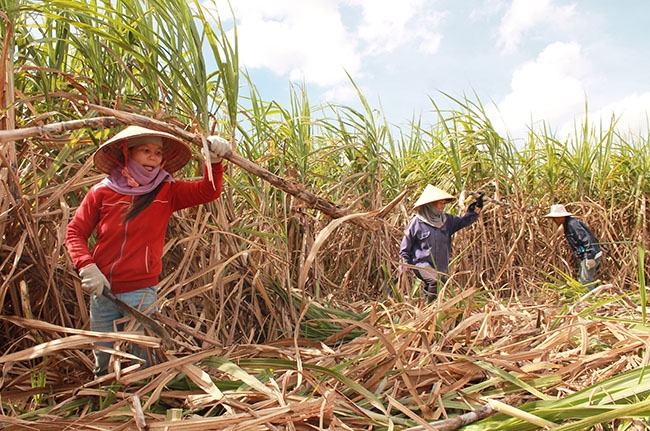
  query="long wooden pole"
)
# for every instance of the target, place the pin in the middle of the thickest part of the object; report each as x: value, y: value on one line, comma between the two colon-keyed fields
x: 294, y: 189
x: 57, y: 128
x: 115, y: 117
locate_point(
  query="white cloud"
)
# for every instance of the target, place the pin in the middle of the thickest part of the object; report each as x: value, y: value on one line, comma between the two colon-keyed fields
x: 387, y: 25
x: 487, y: 9
x: 342, y: 94
x: 317, y: 41
x: 553, y: 89
x: 548, y: 89
x: 423, y: 32
x: 525, y: 15
x: 631, y: 114
x: 305, y: 41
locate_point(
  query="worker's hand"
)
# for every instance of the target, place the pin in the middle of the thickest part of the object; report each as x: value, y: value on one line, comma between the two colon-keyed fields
x: 218, y: 147
x: 477, y: 203
x: 479, y: 200
x: 590, y: 263
x: 92, y: 280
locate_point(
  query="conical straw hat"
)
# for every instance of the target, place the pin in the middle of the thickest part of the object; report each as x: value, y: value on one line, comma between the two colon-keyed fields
x: 558, y: 211
x: 176, y: 153
x: 432, y: 194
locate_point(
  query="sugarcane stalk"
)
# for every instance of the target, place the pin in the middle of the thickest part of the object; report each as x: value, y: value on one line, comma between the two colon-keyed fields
x: 142, y: 318
x: 294, y: 189
x: 470, y: 196
x: 457, y: 422
x: 57, y: 128
x: 115, y: 117
x: 492, y: 200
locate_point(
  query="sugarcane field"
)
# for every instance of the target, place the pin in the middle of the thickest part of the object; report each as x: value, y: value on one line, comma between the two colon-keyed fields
x: 299, y: 268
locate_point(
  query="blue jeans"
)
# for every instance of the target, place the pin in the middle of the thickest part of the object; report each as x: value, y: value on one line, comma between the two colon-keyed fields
x: 586, y: 276
x: 104, y: 313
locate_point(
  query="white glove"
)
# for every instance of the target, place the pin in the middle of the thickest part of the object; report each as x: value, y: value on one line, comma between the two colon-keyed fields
x: 92, y: 280
x: 218, y: 147
x: 590, y: 263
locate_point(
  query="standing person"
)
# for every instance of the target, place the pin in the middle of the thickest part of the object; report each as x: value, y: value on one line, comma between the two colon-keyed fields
x: 427, y: 239
x: 129, y: 211
x: 580, y: 238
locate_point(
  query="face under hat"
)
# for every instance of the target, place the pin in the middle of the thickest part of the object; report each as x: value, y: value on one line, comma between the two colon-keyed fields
x: 176, y: 153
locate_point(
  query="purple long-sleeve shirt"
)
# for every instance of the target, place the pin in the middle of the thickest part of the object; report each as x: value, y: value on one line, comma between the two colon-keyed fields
x: 426, y: 246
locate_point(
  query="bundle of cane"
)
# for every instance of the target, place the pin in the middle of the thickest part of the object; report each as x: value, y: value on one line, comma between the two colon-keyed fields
x: 466, y: 198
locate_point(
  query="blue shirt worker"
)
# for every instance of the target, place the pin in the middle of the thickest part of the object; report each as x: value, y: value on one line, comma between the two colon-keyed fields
x: 427, y: 239
x: 583, y: 242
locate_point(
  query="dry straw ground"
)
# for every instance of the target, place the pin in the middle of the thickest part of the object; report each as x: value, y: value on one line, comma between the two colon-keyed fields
x: 288, y: 313
x: 253, y: 352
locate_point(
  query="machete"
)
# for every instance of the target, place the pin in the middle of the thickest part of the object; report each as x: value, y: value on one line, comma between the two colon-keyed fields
x: 142, y: 318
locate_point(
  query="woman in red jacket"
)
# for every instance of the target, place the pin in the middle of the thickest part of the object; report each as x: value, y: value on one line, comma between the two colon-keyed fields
x: 129, y: 211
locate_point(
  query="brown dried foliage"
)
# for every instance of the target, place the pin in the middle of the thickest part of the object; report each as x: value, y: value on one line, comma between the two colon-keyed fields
x: 226, y: 295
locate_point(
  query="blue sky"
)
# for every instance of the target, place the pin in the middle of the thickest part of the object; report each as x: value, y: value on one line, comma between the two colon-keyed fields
x: 529, y: 62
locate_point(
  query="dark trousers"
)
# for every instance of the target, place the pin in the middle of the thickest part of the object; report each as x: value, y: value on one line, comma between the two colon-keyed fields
x: 431, y: 283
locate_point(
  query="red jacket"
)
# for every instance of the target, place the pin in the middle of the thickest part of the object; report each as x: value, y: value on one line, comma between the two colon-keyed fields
x: 130, y: 254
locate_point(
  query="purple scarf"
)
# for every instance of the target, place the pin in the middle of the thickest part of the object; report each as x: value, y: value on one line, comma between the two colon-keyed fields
x: 147, y: 181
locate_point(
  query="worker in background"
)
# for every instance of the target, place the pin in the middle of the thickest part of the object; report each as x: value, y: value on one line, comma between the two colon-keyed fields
x: 586, y: 248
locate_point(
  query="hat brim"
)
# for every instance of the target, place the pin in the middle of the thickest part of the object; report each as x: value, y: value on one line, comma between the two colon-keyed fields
x: 556, y: 215
x: 433, y: 194
x: 560, y: 214
x: 176, y: 153
x: 424, y: 202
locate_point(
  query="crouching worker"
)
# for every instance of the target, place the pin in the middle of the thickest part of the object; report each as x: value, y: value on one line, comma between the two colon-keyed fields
x: 427, y: 240
x: 129, y: 211
x: 583, y: 243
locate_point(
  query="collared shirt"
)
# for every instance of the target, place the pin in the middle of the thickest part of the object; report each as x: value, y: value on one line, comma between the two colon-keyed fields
x: 582, y: 241
x: 427, y: 246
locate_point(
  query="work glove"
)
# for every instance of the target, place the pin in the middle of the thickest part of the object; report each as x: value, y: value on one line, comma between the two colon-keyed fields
x: 590, y: 263
x: 479, y: 200
x: 477, y: 203
x: 217, y: 148
x: 93, y: 280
